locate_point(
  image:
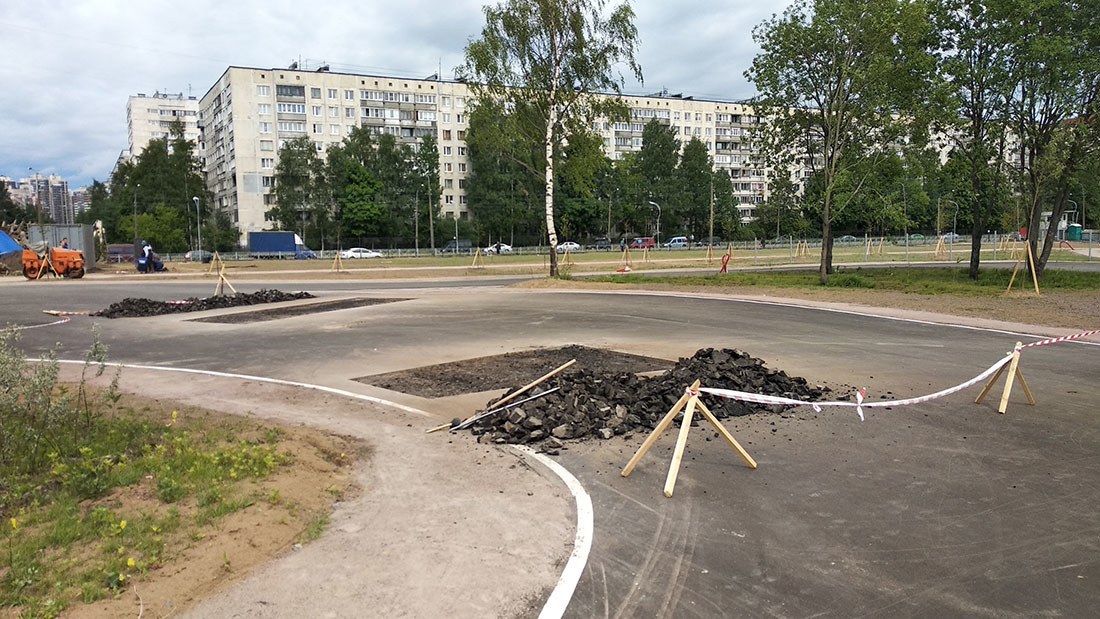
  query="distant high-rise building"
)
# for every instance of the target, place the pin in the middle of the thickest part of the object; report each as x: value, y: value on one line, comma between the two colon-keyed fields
x: 82, y: 200
x: 150, y: 117
x: 48, y: 193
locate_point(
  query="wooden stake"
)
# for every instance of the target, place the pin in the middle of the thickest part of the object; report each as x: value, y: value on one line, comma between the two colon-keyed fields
x: 337, y: 263
x: 1016, y: 269
x: 681, y: 443
x: 710, y: 254
x: 533, y: 383
x: 216, y: 263
x: 626, y: 258
x: 726, y: 435
x: 479, y: 261
x: 1034, y: 276
x: 1013, y: 373
x: 658, y: 431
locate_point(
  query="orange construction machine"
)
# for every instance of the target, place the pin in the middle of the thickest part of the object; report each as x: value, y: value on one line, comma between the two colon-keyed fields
x: 44, y: 261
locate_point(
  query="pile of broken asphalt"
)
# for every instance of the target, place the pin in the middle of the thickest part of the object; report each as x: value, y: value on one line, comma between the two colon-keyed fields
x: 135, y: 308
x: 589, y: 403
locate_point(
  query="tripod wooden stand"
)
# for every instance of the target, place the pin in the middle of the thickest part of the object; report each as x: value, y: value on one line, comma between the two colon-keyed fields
x: 690, y: 399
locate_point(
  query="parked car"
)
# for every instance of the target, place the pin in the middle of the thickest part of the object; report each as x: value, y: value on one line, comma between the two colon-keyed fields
x: 712, y: 241
x: 568, y: 246
x: 602, y: 243
x: 950, y: 237
x: 498, y: 248
x: 121, y: 252
x: 360, y: 252
x: 643, y: 242
x: 916, y: 237
x: 677, y: 242
x: 198, y: 255
x: 454, y: 246
x: 847, y: 238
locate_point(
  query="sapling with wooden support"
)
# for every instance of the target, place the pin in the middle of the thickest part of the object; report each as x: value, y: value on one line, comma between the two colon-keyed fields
x: 1031, y: 263
x: 687, y: 403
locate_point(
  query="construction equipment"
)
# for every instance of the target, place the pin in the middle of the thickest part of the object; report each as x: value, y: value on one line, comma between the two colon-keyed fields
x: 42, y: 260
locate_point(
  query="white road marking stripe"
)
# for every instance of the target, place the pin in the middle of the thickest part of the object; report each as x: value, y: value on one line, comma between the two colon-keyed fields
x: 582, y: 543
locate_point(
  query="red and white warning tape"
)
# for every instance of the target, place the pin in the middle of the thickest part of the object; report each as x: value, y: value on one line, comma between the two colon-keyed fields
x: 1055, y: 340
x: 859, y: 404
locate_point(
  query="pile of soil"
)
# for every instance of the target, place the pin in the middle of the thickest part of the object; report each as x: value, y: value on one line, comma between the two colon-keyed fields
x: 607, y: 404
x: 136, y: 308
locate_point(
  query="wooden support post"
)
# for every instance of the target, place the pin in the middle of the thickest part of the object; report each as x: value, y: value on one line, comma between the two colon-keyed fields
x: 1016, y: 269
x: 337, y: 263
x: 1013, y: 373
x: 479, y: 261
x: 691, y: 401
x: 681, y: 443
x: 1034, y: 276
x: 216, y: 264
x: 625, y: 262
x: 726, y: 435
x: 658, y: 431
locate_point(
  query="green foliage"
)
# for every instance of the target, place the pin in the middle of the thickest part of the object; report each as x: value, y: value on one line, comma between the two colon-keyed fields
x: 839, y: 80
x: 546, y: 59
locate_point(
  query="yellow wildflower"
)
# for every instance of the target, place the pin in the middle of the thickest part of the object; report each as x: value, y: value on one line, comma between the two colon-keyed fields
x: 14, y: 524
x: 130, y: 563
x: 122, y: 525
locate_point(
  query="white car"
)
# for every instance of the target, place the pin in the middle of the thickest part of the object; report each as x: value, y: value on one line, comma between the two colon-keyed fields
x: 568, y: 246
x: 504, y: 248
x: 360, y: 252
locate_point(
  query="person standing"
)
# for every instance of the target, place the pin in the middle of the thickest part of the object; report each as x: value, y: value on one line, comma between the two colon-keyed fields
x: 65, y: 243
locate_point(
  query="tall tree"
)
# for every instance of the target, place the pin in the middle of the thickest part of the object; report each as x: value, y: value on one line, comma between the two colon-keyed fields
x: 1054, y: 109
x: 656, y: 162
x: 294, y: 185
x: 426, y: 167
x: 977, y: 64
x: 553, y: 55
x: 842, y: 77
x: 694, y: 176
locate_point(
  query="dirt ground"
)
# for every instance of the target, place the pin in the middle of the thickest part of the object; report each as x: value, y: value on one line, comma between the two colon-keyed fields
x: 239, y: 542
x: 1077, y: 310
x: 473, y: 550
x: 506, y: 371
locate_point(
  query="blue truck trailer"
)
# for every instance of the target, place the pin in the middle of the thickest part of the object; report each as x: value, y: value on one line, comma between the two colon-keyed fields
x: 278, y: 245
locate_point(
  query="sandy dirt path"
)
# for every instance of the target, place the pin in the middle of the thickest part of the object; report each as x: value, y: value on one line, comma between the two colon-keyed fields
x: 442, y: 526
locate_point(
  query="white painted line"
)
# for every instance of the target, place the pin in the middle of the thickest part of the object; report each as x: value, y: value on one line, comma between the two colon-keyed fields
x: 582, y: 543
x: 264, y: 379
x: 812, y: 307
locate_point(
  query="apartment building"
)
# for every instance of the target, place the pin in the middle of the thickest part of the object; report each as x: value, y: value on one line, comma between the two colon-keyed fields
x: 150, y: 117
x: 249, y: 113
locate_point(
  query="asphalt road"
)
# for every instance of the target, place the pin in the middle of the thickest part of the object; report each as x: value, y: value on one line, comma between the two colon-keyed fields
x: 941, y: 509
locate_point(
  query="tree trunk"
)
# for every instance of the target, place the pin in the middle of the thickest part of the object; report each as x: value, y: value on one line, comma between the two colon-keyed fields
x: 826, y: 267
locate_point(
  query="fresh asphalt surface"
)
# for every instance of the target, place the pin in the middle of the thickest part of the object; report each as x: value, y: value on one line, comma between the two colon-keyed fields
x: 940, y: 509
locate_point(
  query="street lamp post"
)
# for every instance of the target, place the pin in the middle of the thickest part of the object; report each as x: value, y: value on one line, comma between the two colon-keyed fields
x: 135, y: 216
x: 954, y: 220
x: 1076, y: 209
x: 658, y: 239
x: 198, y: 224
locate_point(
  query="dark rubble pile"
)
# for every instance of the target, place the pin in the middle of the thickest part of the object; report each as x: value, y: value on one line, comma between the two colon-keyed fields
x: 592, y: 404
x: 134, y: 308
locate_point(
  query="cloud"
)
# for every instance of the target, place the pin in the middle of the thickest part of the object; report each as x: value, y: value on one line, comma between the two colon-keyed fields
x: 71, y: 65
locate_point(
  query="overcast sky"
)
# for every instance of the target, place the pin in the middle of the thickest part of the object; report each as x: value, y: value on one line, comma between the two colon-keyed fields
x: 68, y: 67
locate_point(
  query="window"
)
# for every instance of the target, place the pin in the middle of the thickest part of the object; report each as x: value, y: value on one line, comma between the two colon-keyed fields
x: 462, y: 167
x: 458, y: 119
x: 264, y: 108
x: 263, y: 91
x: 333, y: 111
x: 318, y: 146
x: 676, y: 116
x: 708, y: 118
x: 448, y: 199
x: 315, y: 93
x: 698, y: 117
x: 460, y: 101
x: 462, y: 135
x: 267, y: 163
x: 446, y: 134
x: 265, y: 127
x: 333, y: 93
x: 290, y: 91
x: 462, y: 199
x: 269, y: 181
x: 298, y: 127
x: 292, y: 108
x: 349, y: 112
x: 461, y: 151
x: 461, y: 183
x: 349, y: 95
x: 445, y: 101
x: 370, y: 95
x: 267, y: 145
x: 446, y: 118
x: 318, y: 128
x: 447, y: 167
x: 425, y: 115
x: 316, y: 110
x: 448, y: 184
x: 447, y: 150
x: 334, y: 129
x: 425, y: 98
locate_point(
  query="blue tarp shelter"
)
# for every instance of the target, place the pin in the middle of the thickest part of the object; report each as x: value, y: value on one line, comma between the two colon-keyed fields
x: 7, y: 245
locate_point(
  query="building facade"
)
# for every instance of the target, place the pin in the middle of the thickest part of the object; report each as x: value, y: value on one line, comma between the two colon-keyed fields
x: 249, y: 113
x: 150, y: 117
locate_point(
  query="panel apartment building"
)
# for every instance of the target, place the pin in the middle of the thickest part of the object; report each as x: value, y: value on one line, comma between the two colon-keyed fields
x: 149, y: 118
x: 248, y: 114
